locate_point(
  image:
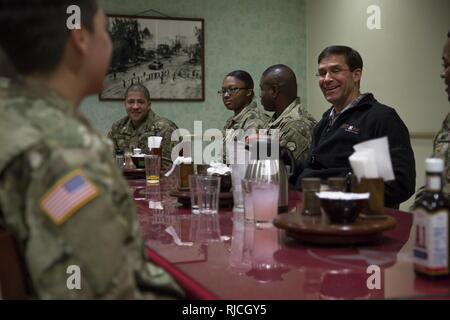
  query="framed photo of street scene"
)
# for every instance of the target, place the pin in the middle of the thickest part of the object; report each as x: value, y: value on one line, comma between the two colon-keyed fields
x: 164, y: 54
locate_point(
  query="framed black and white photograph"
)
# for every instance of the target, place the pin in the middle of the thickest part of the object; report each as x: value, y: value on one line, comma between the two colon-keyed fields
x: 164, y: 54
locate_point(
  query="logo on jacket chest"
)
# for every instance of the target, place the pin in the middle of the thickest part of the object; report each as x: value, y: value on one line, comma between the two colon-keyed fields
x: 351, y: 128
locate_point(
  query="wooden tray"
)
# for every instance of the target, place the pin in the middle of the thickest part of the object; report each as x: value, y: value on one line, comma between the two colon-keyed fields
x: 319, y: 230
x: 184, y: 197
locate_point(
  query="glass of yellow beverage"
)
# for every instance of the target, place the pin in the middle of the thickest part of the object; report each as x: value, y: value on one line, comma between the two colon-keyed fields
x: 152, y: 168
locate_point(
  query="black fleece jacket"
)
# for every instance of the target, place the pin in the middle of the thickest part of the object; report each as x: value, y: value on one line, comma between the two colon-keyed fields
x: 332, y: 145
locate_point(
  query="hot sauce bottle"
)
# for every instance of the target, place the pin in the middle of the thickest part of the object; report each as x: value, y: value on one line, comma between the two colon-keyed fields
x: 431, y: 219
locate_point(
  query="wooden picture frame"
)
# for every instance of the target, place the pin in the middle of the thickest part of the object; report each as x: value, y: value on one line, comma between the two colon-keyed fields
x: 164, y: 54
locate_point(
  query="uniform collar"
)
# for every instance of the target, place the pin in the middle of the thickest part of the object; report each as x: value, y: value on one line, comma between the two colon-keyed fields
x: 60, y: 102
x: 360, y: 101
x: 352, y: 104
x: 39, y: 91
x: 274, y: 121
x: 248, y: 108
x: 148, y: 121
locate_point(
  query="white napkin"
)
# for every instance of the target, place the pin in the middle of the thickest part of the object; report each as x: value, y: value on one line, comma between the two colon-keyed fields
x: 363, y: 164
x: 372, y: 159
x: 218, y: 168
x: 155, y: 205
x: 154, y: 142
x: 171, y: 230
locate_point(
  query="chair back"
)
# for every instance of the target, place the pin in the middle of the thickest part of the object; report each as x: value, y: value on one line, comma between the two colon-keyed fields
x: 13, y: 280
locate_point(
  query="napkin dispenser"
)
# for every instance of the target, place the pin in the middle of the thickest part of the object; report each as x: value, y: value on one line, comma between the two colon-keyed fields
x: 372, y: 166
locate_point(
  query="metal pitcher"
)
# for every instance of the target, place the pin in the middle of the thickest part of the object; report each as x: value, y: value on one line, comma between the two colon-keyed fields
x: 273, y: 170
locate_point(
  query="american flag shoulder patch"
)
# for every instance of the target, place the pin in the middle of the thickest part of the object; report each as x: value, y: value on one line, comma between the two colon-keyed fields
x: 67, y: 195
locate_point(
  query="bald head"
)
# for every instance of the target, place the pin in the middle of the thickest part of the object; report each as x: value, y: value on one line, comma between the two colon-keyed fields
x: 282, y: 76
x: 278, y: 87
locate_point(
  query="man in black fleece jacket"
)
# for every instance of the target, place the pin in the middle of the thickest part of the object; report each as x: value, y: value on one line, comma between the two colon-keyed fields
x: 354, y: 118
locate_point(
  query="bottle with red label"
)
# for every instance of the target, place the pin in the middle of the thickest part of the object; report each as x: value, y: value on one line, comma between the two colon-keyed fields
x: 431, y: 229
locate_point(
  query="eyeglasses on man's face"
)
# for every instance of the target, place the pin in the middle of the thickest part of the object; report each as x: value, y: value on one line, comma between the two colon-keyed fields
x: 230, y: 91
x: 333, y: 72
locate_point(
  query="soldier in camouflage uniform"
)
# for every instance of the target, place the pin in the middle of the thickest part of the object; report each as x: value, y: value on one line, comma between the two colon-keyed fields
x: 60, y: 192
x: 140, y: 123
x: 295, y: 125
x: 279, y: 93
x: 237, y: 95
x: 441, y: 144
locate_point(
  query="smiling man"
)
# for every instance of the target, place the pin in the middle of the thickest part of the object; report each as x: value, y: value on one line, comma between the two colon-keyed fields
x: 354, y: 118
x: 140, y: 123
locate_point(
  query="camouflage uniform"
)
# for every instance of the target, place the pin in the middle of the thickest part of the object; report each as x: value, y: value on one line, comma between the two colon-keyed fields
x: 125, y: 137
x: 251, y: 117
x: 43, y: 139
x: 441, y: 149
x: 296, y: 126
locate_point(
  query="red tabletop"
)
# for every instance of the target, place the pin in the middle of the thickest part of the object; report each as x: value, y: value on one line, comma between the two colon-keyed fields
x: 221, y: 257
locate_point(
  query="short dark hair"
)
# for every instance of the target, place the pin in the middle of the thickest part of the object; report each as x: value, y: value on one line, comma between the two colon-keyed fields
x: 243, y: 76
x: 33, y: 33
x: 284, y: 68
x: 352, y: 57
x: 448, y: 34
x: 282, y: 76
x: 139, y: 88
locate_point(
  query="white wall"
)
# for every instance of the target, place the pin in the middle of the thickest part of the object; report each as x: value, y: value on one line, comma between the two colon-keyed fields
x: 402, y: 60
